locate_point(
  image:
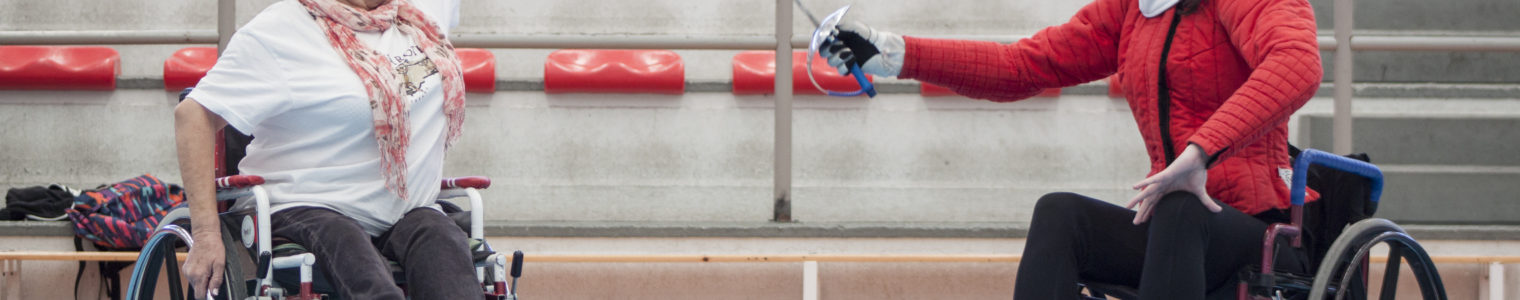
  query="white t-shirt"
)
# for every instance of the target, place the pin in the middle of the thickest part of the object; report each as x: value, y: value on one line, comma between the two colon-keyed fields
x: 281, y: 81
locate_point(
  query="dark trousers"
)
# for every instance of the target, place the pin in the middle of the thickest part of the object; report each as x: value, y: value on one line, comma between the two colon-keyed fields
x: 431, y: 249
x: 1183, y: 251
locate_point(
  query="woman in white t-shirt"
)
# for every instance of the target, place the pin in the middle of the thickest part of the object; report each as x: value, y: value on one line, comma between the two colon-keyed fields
x: 352, y: 104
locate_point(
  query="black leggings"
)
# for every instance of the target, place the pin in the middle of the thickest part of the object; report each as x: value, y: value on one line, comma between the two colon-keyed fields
x: 1182, y: 252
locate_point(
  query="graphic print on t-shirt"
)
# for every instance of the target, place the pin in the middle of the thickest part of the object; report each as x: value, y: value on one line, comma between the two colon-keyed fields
x: 415, y: 68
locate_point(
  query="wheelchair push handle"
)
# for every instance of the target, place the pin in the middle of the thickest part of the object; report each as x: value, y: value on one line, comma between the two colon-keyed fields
x: 1312, y: 156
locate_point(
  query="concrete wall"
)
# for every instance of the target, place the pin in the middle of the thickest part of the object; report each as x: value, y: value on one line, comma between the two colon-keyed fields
x: 706, y: 156
x: 695, y: 157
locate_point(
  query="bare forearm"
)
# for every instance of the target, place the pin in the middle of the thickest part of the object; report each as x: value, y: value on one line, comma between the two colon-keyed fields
x: 195, y: 137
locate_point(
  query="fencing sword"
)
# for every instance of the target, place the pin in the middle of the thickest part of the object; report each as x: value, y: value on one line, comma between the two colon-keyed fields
x: 823, y: 34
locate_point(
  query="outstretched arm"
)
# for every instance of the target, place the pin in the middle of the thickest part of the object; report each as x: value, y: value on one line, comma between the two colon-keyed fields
x: 1082, y: 50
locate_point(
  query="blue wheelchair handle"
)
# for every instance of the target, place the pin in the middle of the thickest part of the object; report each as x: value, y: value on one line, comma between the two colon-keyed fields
x: 1311, y: 156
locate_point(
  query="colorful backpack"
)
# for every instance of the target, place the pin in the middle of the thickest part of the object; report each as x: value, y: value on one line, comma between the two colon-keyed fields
x: 121, y: 216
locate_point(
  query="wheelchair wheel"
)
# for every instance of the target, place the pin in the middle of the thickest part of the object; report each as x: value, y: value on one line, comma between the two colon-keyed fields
x: 159, y: 254
x: 1341, y: 274
x: 233, y: 277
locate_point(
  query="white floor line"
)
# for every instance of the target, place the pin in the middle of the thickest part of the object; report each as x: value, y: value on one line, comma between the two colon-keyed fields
x: 1496, y: 281
x: 810, y: 280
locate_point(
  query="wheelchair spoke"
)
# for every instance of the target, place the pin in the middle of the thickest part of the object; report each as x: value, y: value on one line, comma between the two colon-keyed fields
x: 1424, y: 270
x: 171, y: 267
x: 1391, y: 274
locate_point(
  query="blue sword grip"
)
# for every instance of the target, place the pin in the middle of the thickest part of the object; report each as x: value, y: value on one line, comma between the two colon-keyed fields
x: 865, y: 83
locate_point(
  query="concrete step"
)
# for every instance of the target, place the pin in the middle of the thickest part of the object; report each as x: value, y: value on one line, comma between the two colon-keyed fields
x: 1440, y: 169
x: 1429, y: 67
x: 1419, y: 15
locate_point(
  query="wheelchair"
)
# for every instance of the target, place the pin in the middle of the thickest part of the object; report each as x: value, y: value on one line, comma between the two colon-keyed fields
x: 1341, y: 271
x: 274, y: 265
x: 259, y: 268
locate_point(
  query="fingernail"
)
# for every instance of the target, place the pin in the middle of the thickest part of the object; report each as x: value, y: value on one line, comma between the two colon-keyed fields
x: 216, y: 291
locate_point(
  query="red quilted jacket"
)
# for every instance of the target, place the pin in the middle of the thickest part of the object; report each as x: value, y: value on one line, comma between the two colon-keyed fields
x: 1234, y: 71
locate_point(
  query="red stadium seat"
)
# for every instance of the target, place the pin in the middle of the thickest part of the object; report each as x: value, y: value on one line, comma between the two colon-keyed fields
x: 614, y: 71
x: 186, y: 67
x: 479, y: 66
x: 930, y: 90
x: 58, y: 68
x: 755, y: 74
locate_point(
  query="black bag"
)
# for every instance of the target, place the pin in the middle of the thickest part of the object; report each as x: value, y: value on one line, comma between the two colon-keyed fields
x: 38, y: 203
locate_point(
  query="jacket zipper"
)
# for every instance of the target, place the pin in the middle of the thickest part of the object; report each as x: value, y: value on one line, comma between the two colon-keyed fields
x: 1164, y: 101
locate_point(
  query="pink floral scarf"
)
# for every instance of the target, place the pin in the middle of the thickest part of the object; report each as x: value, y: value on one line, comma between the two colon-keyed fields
x: 383, y: 82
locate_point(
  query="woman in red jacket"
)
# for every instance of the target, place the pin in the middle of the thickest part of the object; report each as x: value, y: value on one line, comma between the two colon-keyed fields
x: 1211, y: 84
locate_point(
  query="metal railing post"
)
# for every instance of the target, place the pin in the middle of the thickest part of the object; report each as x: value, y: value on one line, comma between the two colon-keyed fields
x: 782, y: 212
x: 226, y: 23
x: 1341, y: 128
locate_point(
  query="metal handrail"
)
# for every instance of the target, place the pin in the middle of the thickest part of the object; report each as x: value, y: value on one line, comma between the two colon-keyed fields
x: 107, y: 37
x: 1426, y: 43
x: 508, y: 41
x: 501, y: 41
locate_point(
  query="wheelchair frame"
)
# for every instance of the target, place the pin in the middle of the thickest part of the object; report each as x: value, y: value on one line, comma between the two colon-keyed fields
x: 256, y: 237
x: 1346, y: 260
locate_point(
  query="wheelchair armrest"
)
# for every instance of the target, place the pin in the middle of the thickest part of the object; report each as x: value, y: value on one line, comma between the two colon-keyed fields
x: 236, y: 187
x: 231, y: 188
x: 475, y: 182
x: 466, y: 187
x: 238, y: 182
